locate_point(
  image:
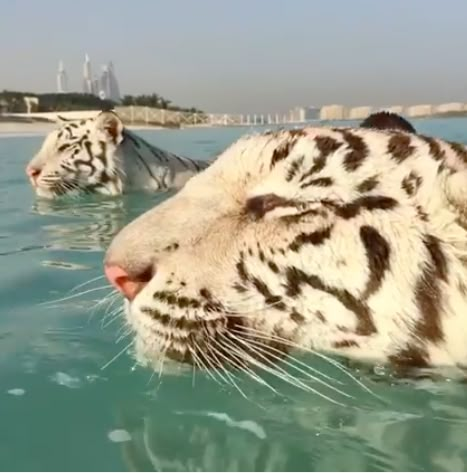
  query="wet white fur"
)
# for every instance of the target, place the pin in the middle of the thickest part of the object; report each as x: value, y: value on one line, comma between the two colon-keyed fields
x: 208, y: 220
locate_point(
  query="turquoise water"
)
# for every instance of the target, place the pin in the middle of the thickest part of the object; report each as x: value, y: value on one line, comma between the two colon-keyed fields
x: 60, y: 410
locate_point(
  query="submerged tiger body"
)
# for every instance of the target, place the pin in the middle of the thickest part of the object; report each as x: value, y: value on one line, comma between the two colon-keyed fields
x: 99, y: 155
x: 342, y: 241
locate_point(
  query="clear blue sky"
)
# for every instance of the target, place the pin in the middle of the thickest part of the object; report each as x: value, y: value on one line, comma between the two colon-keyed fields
x: 245, y: 55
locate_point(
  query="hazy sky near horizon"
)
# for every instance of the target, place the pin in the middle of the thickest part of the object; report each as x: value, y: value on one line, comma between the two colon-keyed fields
x: 244, y: 55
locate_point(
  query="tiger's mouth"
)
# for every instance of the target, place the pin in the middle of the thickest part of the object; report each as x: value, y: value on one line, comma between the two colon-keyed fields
x: 197, y: 341
x: 57, y: 187
x: 46, y: 192
x: 214, y: 342
x: 70, y: 187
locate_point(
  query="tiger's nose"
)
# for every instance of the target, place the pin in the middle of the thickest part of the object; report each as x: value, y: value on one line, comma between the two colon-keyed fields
x: 33, y: 173
x: 129, y: 285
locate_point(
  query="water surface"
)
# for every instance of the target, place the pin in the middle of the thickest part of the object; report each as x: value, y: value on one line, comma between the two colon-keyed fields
x: 61, y: 411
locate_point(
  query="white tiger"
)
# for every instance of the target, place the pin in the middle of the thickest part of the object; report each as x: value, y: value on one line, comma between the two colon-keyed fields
x: 99, y: 155
x: 345, y: 241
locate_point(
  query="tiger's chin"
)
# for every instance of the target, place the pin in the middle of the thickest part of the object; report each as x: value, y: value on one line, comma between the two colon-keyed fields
x: 214, y: 343
x: 160, y: 365
x: 76, y: 192
x: 58, y: 195
x: 50, y: 194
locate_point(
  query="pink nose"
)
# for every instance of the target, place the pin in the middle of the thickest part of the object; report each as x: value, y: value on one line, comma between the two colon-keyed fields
x: 33, y: 174
x: 121, y: 280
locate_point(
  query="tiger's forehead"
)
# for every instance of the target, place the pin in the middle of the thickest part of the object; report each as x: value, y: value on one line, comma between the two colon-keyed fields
x: 257, y: 155
x: 327, y: 162
x: 261, y: 153
x: 74, y: 129
x: 67, y: 133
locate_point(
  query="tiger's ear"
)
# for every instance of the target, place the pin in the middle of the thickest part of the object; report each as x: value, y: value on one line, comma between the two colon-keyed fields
x: 110, y: 124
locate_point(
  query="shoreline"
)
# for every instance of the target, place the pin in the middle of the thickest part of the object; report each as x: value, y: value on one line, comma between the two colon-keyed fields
x: 13, y: 128
x: 16, y: 128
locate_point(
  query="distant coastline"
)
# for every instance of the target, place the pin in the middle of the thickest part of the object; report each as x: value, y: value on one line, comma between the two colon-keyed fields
x: 26, y: 111
x: 452, y: 114
x: 13, y: 126
x: 24, y: 125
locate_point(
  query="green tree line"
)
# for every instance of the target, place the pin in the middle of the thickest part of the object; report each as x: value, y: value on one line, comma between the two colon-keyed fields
x: 155, y: 101
x: 13, y: 102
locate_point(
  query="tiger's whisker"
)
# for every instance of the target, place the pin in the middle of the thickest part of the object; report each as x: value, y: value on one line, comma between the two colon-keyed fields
x: 74, y: 296
x: 231, y: 376
x: 328, y: 359
x: 201, y: 364
x: 120, y: 353
x: 85, y: 284
x: 224, y: 343
x: 245, y: 330
x: 267, y: 350
x: 284, y: 376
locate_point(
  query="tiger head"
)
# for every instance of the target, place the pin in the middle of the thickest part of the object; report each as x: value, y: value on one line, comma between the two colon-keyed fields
x: 79, y: 156
x: 332, y: 240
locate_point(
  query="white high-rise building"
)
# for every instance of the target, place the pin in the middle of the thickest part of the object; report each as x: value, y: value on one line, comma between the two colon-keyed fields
x: 88, y: 85
x: 108, y: 84
x: 62, y: 79
x: 114, y: 89
x: 104, y: 84
x: 95, y: 85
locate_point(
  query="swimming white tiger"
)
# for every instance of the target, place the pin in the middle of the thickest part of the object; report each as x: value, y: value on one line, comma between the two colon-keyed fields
x: 344, y: 241
x: 99, y: 155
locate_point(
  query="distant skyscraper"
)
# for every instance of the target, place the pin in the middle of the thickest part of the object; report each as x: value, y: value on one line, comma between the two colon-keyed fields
x: 87, y: 77
x: 104, y: 83
x: 114, y: 89
x: 105, y: 86
x: 108, y: 84
x: 62, y: 79
x: 95, y: 85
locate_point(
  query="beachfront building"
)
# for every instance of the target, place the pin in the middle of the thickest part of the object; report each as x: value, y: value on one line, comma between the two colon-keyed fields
x: 62, y: 79
x: 449, y: 107
x: 359, y: 113
x: 297, y: 114
x: 399, y: 109
x: 312, y: 112
x: 424, y: 110
x: 3, y: 106
x: 333, y: 112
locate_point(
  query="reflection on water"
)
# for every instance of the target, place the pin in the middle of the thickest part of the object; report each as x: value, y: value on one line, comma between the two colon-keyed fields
x: 64, y: 265
x: 23, y: 249
x: 223, y: 432
x: 88, y: 226
x: 90, y: 223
